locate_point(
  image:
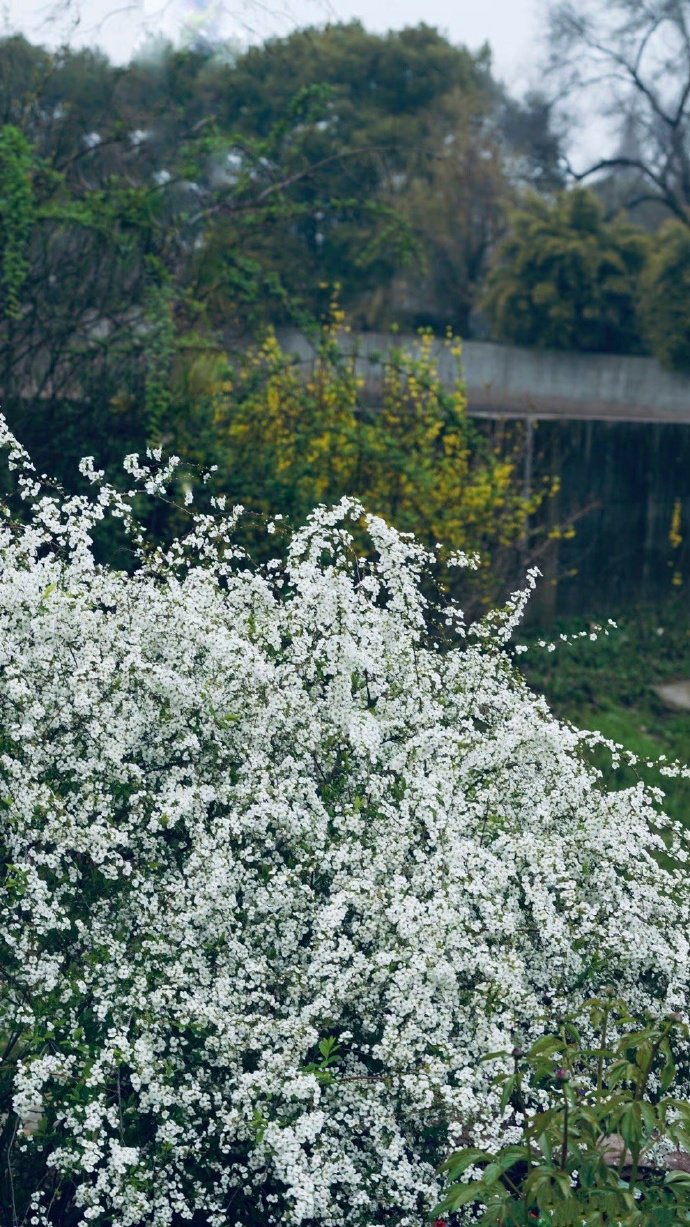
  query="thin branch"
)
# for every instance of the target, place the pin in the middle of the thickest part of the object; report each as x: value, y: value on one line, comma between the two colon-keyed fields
x: 667, y: 195
x: 288, y: 181
x: 632, y: 202
x: 655, y: 23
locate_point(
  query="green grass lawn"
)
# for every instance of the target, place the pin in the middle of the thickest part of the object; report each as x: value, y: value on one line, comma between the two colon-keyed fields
x: 608, y: 686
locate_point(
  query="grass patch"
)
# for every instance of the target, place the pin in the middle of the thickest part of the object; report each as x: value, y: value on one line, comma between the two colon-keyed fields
x: 608, y: 686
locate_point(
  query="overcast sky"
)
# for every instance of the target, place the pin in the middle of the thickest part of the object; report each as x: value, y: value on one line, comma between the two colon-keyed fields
x: 510, y: 26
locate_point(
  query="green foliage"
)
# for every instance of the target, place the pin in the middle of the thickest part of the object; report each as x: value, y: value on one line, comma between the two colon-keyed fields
x: 565, y: 278
x: 132, y: 330
x: 593, y: 1103
x: 381, y: 85
x: 328, y: 1050
x: 439, y: 148
x: 160, y: 350
x: 455, y: 203
x: 303, y: 161
x: 287, y: 438
x: 609, y: 685
x: 16, y: 215
x: 118, y: 265
x: 387, y: 103
x: 192, y: 194
x: 666, y: 297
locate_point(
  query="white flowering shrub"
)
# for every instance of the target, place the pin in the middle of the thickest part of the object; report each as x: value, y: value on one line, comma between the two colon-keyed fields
x: 279, y: 869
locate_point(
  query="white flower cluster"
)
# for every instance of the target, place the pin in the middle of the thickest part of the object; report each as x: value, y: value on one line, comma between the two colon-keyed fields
x: 280, y: 870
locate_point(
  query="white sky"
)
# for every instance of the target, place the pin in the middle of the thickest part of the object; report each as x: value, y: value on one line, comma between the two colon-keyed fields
x: 511, y: 27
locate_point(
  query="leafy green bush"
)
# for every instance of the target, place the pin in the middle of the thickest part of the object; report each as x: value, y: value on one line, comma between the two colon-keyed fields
x: 595, y: 1118
x: 567, y: 279
x: 666, y: 297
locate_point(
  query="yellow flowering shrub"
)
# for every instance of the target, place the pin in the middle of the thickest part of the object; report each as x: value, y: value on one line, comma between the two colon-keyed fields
x: 429, y: 469
x: 289, y: 435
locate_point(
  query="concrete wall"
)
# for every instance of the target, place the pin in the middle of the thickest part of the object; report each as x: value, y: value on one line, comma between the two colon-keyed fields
x: 505, y: 381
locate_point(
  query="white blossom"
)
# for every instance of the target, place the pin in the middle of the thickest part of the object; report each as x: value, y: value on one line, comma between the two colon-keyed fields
x: 248, y: 808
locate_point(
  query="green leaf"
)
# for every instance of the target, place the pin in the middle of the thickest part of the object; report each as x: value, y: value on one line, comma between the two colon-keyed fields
x: 328, y: 1046
x: 668, y: 1071
x: 643, y: 1055
x: 546, y: 1046
x: 462, y: 1194
x: 511, y: 1155
x: 508, y: 1088
x: 650, y: 1117
x: 630, y: 1126
x: 462, y: 1159
x: 678, y: 1178
x: 545, y: 1146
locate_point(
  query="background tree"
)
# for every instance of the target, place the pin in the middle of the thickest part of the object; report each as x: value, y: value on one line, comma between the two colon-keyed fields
x: 392, y: 98
x: 153, y: 213
x: 120, y: 186
x: 531, y: 135
x: 666, y: 297
x: 176, y: 202
x: 629, y: 63
x: 565, y: 278
x: 441, y: 147
x: 455, y: 205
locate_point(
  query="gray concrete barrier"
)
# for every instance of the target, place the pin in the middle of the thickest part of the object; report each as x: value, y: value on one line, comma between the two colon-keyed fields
x: 507, y: 381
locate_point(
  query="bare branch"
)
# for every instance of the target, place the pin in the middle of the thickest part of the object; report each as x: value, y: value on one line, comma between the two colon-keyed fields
x: 641, y: 53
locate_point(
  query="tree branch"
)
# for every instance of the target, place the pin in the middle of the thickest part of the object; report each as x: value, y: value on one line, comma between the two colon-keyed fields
x: 666, y: 195
x: 286, y: 182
